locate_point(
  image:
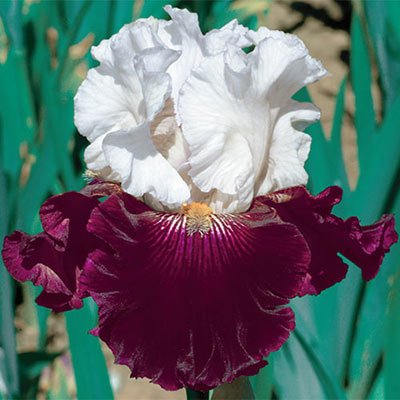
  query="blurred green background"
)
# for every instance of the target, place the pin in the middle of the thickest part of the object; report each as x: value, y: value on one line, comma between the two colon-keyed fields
x: 347, y: 341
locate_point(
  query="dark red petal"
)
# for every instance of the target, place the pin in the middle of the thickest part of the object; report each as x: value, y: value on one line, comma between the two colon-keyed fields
x: 192, y: 310
x: 328, y: 235
x: 54, y: 258
x: 26, y: 258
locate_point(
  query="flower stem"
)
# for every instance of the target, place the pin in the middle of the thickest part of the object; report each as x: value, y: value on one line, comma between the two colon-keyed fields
x: 196, y: 395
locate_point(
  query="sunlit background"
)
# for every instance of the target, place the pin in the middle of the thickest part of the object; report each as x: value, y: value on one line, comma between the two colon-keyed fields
x: 347, y: 341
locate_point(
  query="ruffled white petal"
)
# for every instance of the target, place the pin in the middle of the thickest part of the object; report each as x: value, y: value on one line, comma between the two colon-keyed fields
x: 150, y: 66
x: 167, y: 137
x: 94, y: 156
x: 133, y: 38
x: 183, y: 35
x: 142, y: 168
x: 230, y: 34
x: 281, y: 64
x: 96, y: 162
x: 218, y: 127
x: 115, y: 107
x: 230, y: 111
x: 284, y: 166
x: 111, y: 97
x: 103, y: 104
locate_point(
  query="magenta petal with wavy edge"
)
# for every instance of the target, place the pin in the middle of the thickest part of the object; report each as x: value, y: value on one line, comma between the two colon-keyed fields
x: 54, y: 258
x: 328, y: 235
x: 190, y: 310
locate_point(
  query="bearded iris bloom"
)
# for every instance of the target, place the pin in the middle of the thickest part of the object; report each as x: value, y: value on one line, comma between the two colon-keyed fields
x: 207, y: 230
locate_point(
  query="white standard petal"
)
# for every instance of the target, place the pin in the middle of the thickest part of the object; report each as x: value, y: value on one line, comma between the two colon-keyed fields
x: 166, y: 134
x: 94, y: 157
x: 167, y: 137
x: 230, y: 34
x: 219, y: 128
x: 132, y: 38
x: 97, y: 163
x: 242, y: 141
x: 115, y: 106
x: 284, y: 166
x: 183, y: 35
x: 281, y: 65
x: 111, y: 97
x: 104, y: 104
x: 142, y: 168
x: 151, y: 65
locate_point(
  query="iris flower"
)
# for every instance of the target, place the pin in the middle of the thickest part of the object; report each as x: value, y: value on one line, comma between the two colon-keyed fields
x: 197, y: 228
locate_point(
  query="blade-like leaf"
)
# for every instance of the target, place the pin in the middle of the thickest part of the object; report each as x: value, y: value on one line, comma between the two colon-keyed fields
x: 90, y: 370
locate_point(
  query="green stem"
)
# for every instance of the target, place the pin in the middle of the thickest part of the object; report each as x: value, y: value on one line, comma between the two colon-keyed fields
x: 196, y: 395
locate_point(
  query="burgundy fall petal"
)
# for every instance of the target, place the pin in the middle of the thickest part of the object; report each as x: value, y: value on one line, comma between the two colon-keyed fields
x: 54, y: 258
x: 193, y: 310
x: 328, y: 235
